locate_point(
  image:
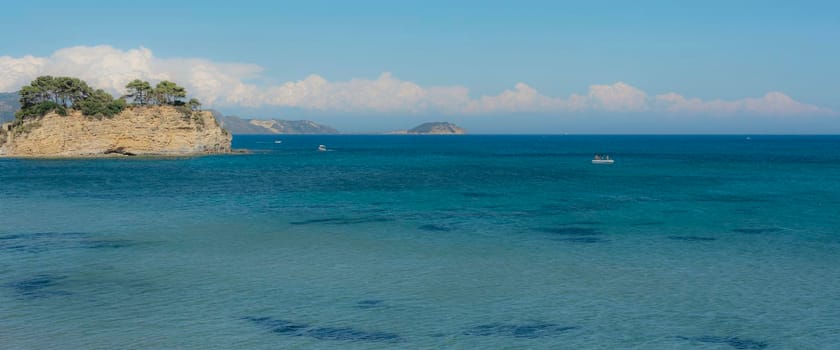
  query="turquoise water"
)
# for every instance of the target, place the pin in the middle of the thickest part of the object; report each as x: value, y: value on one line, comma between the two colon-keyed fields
x: 474, y: 242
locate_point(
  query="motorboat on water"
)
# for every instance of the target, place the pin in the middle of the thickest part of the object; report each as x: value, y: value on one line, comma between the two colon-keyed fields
x: 322, y: 148
x: 599, y: 159
x: 278, y: 141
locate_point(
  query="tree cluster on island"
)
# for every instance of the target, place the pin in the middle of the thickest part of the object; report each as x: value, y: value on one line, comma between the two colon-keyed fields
x: 48, y: 94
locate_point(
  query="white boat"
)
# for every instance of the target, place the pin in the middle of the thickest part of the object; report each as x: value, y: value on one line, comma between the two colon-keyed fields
x: 599, y: 159
x: 322, y: 148
x: 278, y: 141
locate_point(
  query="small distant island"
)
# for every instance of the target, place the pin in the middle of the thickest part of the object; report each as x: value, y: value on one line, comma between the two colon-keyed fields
x: 432, y: 128
x: 65, y: 117
x: 240, y: 126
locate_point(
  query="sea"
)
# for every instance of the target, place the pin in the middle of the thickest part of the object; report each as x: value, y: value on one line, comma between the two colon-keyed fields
x: 429, y: 242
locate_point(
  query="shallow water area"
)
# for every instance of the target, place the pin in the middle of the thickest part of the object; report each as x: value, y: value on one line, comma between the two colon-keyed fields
x: 468, y: 242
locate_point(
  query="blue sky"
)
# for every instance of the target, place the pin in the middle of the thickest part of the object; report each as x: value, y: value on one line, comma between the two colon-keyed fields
x: 703, y: 51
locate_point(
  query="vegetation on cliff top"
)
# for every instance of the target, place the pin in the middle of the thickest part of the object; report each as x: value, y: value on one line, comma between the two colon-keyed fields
x: 48, y: 94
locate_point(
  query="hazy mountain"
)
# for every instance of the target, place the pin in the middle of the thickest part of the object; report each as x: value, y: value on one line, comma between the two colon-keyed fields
x: 240, y: 126
x: 8, y: 106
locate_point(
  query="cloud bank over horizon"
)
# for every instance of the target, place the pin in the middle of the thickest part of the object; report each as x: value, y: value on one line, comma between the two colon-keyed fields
x: 232, y: 84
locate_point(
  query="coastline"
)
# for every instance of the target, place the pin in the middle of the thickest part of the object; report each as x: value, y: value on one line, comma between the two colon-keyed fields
x: 233, y: 152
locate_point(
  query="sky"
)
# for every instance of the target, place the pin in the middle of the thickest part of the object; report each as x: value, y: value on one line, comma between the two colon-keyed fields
x: 491, y: 66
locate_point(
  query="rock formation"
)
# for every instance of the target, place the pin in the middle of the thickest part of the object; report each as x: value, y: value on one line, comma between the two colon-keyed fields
x: 151, y: 130
x: 433, y: 128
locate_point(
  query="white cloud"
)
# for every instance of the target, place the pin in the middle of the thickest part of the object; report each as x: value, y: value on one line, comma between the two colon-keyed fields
x: 228, y: 84
x: 110, y: 68
x: 772, y: 103
x: 618, y: 97
x: 385, y: 94
x: 16, y: 72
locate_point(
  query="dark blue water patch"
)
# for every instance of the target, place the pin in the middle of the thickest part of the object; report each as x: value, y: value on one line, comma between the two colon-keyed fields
x: 370, y: 303
x: 39, y: 235
x: 435, y: 228
x: 291, y: 328
x: 534, y: 154
x: 555, y: 207
x: 479, y: 195
x: 584, y: 222
x: 602, y: 205
x: 341, y: 221
x: 43, y: 241
x: 93, y: 195
x: 692, y: 238
x: 39, y: 241
x: 351, y: 334
x: 17, y: 248
x: 735, y: 342
x: 373, y: 211
x: 730, y: 198
x: 524, y: 330
x: 585, y: 240
x: 277, y: 325
x: 570, y: 231
x: 648, y: 223
x: 674, y: 211
x: 108, y: 243
x: 38, y: 286
x: 496, y: 206
x: 757, y: 230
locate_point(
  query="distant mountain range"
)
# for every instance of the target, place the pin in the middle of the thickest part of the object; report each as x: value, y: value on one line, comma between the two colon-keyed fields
x: 9, y: 104
x: 242, y: 126
x: 433, y: 128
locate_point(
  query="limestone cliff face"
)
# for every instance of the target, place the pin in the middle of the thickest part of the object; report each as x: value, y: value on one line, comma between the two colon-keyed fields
x: 158, y: 130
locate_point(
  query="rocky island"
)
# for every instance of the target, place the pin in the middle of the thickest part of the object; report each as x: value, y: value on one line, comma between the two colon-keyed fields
x: 63, y: 117
x: 433, y: 128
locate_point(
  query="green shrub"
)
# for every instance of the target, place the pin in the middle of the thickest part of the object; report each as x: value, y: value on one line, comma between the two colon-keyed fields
x: 46, y: 94
x: 101, y: 104
x: 40, y: 109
